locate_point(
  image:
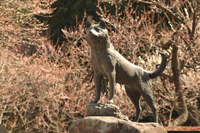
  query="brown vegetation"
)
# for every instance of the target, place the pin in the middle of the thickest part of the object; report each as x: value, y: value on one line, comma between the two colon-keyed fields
x: 44, y: 89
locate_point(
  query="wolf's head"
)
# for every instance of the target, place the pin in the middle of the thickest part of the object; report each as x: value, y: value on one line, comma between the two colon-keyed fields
x: 97, y: 34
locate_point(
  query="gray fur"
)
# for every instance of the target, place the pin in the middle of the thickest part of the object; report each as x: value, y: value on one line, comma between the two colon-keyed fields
x: 106, y: 61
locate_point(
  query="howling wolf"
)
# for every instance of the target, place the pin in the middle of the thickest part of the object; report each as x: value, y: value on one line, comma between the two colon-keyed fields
x: 106, y: 61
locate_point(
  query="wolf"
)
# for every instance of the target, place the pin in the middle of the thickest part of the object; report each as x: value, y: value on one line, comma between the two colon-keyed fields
x: 106, y: 61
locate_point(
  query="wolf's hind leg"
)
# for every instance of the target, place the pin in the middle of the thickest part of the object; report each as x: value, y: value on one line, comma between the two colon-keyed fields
x: 148, y: 97
x: 134, y: 95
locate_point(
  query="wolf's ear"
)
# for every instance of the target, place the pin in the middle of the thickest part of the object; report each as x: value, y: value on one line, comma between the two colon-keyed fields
x: 88, y: 23
x: 102, y: 24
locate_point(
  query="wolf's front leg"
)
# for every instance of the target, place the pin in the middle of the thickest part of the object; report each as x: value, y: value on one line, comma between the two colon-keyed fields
x: 97, y: 80
x: 111, y: 78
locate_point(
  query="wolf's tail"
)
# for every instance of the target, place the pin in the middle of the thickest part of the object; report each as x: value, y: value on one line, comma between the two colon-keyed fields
x: 161, y: 68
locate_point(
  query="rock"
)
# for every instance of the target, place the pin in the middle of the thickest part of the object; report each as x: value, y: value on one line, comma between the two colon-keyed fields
x: 2, y: 129
x: 99, y: 109
x: 109, y: 124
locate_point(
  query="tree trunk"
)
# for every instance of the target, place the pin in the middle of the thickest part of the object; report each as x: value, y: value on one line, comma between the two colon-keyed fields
x: 181, y: 108
x: 180, y: 105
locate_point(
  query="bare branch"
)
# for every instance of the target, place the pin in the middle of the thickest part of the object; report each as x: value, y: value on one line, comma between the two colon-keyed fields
x: 118, y: 31
x: 176, y: 16
x: 180, y: 13
x: 169, y: 22
x: 144, y: 2
x: 165, y: 76
x: 186, y: 12
x: 193, y: 25
x: 190, y: 5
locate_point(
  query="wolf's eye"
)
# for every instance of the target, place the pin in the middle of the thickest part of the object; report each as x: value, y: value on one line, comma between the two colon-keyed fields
x: 97, y: 29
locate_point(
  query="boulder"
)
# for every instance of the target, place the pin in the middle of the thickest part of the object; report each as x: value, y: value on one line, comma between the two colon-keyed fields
x: 2, y: 129
x: 109, y: 124
x: 99, y: 109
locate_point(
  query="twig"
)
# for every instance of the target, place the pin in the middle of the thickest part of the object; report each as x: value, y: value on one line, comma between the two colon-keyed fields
x: 172, y: 108
x: 164, y: 8
x: 2, y: 112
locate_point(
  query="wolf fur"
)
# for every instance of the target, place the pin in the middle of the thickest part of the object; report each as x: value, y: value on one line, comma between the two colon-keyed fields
x: 106, y: 61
